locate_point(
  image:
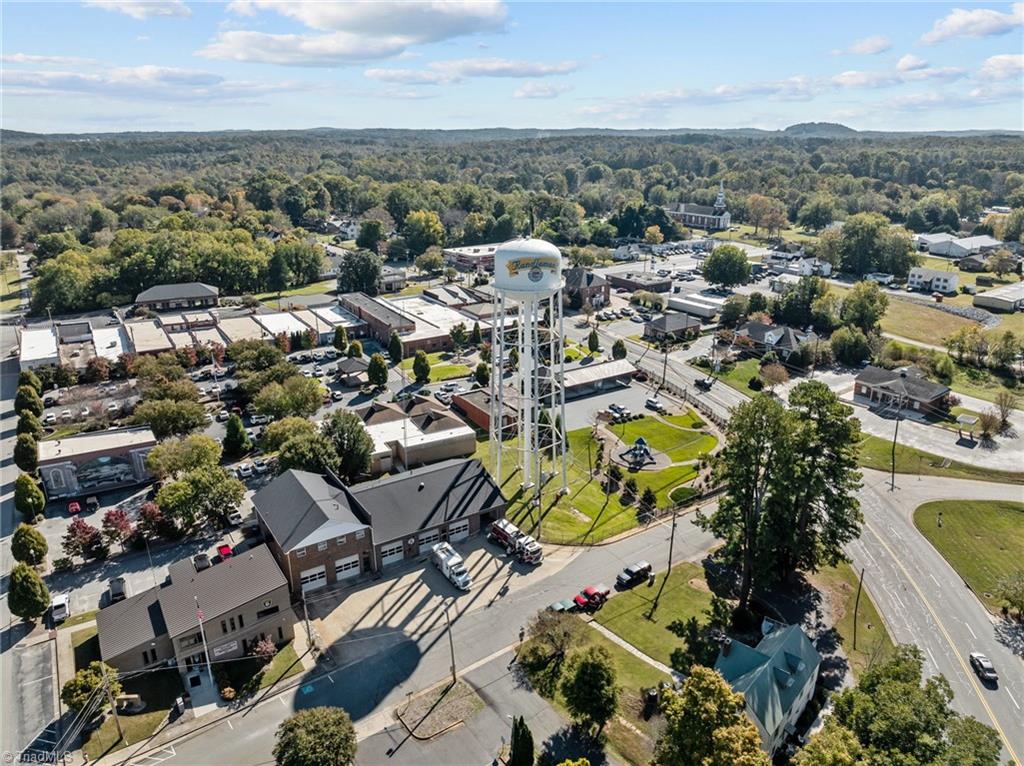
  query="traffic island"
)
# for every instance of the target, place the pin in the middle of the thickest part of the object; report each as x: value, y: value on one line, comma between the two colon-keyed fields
x: 439, y: 710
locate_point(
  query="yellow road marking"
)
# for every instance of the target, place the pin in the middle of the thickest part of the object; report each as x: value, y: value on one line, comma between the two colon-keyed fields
x: 967, y: 671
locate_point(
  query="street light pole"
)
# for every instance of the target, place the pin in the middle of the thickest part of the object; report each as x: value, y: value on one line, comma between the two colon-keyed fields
x: 668, y: 573
x: 451, y: 642
x: 895, y: 434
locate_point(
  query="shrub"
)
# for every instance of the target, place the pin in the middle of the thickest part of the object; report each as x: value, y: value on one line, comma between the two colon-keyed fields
x: 63, y: 564
x: 755, y: 383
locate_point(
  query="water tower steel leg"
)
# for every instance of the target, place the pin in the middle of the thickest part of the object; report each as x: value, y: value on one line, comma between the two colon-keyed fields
x: 562, y: 438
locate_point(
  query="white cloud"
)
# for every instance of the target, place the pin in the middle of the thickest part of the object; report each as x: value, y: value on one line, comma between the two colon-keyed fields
x: 541, y: 90
x: 868, y: 46
x: 29, y: 58
x: 975, y: 97
x: 455, y: 70
x: 884, y: 79
x: 347, y: 32
x: 798, y: 88
x: 141, y: 83
x: 1002, y: 67
x: 144, y: 9
x: 407, y: 76
x: 910, y: 62
x: 979, y: 22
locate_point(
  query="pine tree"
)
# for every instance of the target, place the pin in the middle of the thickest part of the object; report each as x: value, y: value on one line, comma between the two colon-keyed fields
x: 521, y: 745
x: 421, y: 367
x: 236, y: 440
x: 340, y: 338
x: 395, y: 348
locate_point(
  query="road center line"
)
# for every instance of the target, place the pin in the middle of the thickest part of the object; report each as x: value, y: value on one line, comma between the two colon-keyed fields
x: 949, y: 640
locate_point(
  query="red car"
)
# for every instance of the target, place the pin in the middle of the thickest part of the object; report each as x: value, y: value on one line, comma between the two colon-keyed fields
x: 225, y: 552
x: 592, y: 597
x: 74, y: 507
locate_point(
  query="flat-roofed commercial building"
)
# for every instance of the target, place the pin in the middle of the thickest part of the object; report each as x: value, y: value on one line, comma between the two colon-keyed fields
x: 414, y: 432
x: 110, y: 342
x: 283, y: 322
x: 378, y: 316
x: 336, y: 316
x: 1008, y: 298
x: 38, y: 348
x: 147, y: 337
x: 95, y: 461
x: 597, y: 378
x: 471, y: 257
x: 242, y: 328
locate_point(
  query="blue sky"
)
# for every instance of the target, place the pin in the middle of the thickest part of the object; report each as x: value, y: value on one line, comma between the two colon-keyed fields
x: 106, y: 65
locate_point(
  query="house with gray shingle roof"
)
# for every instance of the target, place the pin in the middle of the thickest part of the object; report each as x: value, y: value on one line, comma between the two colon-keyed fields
x: 178, y: 296
x: 905, y: 388
x: 776, y: 679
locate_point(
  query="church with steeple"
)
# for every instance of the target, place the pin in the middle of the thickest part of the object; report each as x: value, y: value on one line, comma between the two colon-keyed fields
x: 694, y: 216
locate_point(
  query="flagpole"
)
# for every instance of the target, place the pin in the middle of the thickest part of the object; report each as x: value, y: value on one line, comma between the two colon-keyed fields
x: 206, y: 650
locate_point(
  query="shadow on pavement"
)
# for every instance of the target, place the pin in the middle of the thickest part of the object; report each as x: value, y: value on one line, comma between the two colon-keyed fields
x: 569, y: 742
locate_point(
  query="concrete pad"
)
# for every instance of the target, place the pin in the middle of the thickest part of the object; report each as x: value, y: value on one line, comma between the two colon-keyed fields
x: 409, y: 600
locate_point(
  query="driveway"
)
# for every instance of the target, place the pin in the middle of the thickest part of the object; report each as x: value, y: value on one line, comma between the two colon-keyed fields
x: 1004, y: 453
x: 410, y: 601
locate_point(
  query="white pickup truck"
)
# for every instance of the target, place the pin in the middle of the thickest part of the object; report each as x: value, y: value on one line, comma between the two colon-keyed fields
x: 451, y: 565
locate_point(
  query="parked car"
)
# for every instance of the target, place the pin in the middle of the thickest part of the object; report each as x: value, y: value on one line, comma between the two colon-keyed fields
x: 259, y: 420
x: 84, y: 412
x: 49, y: 419
x: 201, y: 561
x: 113, y: 407
x: 92, y: 504
x: 224, y: 551
x: 337, y: 396
x: 983, y: 667
x: 74, y: 507
x: 637, y: 318
x: 704, y: 384
x: 60, y: 608
x: 565, y: 605
x: 634, y: 574
x: 592, y: 597
x: 245, y: 470
x: 654, y: 403
x: 235, y: 518
x: 223, y: 415
x: 260, y: 465
x: 118, y: 589
x: 443, y: 397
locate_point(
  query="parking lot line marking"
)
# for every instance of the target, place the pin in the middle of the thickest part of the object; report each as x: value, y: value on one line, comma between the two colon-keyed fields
x: 330, y: 677
x: 933, y: 579
x: 281, y: 700
x: 971, y: 630
x: 230, y: 725
x: 37, y: 680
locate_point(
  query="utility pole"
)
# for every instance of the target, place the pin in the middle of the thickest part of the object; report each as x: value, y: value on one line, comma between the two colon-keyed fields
x: 451, y: 642
x: 305, y: 617
x: 856, y: 606
x: 895, y: 433
x: 113, y: 704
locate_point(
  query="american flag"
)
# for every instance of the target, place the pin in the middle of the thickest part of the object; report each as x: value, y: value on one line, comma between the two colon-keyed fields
x: 199, y: 614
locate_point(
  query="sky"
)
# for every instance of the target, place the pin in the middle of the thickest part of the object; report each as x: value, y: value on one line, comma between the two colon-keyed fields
x: 117, y: 65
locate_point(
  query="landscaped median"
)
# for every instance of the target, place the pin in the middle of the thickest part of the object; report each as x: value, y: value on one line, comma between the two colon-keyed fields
x: 981, y: 539
x: 444, y: 365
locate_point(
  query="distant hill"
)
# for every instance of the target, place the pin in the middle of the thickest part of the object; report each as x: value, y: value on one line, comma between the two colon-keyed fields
x: 820, y: 130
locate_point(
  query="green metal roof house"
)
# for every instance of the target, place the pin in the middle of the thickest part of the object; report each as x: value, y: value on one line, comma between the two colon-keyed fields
x: 776, y: 679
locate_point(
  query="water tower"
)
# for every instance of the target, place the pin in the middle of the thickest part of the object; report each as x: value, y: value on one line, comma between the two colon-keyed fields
x: 528, y: 401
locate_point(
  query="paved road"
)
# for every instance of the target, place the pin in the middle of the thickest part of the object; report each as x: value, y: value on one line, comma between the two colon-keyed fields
x: 925, y: 602
x: 371, y: 685
x: 26, y: 668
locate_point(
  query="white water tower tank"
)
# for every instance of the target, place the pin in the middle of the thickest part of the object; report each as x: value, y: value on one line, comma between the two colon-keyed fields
x: 527, y: 268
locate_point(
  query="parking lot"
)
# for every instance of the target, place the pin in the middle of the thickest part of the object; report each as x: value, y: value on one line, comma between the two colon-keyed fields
x: 410, y: 600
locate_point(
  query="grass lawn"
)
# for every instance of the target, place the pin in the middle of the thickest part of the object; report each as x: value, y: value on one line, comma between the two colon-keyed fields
x: 78, y: 619
x: 981, y: 539
x: 248, y: 675
x: 626, y: 614
x: 10, y: 287
x: 585, y: 514
x: 689, y: 419
x: 632, y: 741
x: 873, y: 641
x: 915, y: 320
x: 313, y: 288
x: 442, y: 366
x: 158, y: 690
x: 739, y: 374
x: 746, y: 234
x: 680, y: 445
x: 86, y: 645
x: 876, y: 453
x: 983, y: 384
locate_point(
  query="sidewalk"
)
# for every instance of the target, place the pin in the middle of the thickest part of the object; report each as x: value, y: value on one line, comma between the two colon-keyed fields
x: 614, y: 637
